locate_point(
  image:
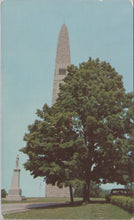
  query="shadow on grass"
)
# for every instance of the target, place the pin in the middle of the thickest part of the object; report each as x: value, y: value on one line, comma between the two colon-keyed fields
x: 98, y: 201
x: 53, y: 206
x: 67, y: 204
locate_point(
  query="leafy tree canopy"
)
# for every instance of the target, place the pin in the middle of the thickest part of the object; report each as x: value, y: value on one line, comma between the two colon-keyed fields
x: 87, y: 134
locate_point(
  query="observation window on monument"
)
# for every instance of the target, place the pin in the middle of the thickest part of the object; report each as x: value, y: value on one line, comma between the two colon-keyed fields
x: 62, y: 71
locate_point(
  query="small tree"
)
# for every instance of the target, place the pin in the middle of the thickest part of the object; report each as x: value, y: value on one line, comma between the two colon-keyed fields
x: 3, y: 193
x: 87, y: 135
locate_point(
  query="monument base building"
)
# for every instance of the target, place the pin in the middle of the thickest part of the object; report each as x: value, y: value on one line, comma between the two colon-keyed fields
x: 54, y: 191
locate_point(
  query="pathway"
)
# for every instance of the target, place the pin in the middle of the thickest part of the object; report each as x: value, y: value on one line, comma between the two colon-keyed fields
x: 17, y: 207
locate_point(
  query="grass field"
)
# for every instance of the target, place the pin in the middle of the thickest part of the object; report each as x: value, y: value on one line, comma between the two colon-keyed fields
x: 45, y: 200
x: 97, y: 209
x: 48, y: 200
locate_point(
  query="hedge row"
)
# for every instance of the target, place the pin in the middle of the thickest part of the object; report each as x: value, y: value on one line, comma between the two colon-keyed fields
x: 123, y: 202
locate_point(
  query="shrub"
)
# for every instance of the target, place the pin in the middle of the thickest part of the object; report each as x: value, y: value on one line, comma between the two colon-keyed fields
x: 3, y: 193
x: 124, y: 202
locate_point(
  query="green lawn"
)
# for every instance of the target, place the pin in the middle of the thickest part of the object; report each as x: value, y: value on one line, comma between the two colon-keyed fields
x: 94, y: 210
x: 43, y: 200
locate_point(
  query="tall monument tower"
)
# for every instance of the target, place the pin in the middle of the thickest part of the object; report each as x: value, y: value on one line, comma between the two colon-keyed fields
x: 61, y: 62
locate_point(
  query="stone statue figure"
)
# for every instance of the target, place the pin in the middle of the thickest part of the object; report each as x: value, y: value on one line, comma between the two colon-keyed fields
x: 17, y: 161
x: 15, y: 193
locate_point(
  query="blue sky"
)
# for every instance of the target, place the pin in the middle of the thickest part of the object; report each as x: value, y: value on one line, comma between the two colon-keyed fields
x: 30, y: 30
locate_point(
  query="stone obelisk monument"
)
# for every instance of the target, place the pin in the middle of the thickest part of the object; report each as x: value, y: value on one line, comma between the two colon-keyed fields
x: 14, y: 193
x: 62, y: 61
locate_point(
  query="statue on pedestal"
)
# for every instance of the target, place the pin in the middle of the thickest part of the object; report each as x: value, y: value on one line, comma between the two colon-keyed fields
x: 17, y: 161
x: 14, y: 193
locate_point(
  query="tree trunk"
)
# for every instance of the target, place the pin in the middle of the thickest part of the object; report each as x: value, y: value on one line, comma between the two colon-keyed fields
x: 71, y: 193
x: 86, y: 193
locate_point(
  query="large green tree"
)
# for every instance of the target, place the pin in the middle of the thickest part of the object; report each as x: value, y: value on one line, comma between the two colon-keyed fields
x: 87, y: 134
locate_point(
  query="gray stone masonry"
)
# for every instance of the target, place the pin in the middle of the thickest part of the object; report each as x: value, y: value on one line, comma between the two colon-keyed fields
x: 54, y: 191
x: 61, y: 62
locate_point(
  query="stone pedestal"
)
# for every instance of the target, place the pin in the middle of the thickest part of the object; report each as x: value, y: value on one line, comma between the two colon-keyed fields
x: 14, y: 193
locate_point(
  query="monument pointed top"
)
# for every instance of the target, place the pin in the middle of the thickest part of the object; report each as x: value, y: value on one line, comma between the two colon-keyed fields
x: 64, y: 26
x: 63, y: 30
